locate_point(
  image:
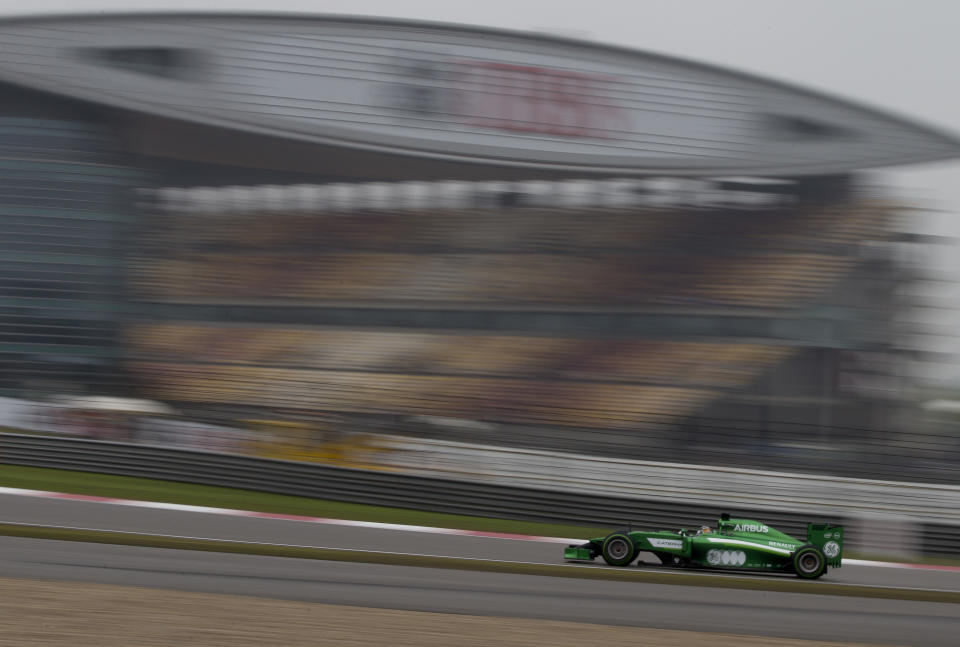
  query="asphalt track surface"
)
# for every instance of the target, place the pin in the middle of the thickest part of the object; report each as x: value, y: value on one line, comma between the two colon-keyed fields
x: 619, y: 603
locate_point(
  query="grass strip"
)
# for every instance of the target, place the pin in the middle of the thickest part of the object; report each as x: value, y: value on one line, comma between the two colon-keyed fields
x: 469, y: 564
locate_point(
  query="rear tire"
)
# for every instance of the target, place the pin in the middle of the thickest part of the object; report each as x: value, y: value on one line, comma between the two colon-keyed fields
x: 619, y: 549
x: 809, y: 562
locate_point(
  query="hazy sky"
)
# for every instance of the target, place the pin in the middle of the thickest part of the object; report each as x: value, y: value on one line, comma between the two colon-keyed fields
x: 899, y: 55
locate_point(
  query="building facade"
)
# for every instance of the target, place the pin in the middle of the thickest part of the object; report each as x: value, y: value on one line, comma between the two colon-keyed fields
x: 438, y: 229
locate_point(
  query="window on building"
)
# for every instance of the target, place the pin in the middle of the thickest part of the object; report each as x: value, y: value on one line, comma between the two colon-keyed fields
x: 790, y: 127
x: 163, y: 62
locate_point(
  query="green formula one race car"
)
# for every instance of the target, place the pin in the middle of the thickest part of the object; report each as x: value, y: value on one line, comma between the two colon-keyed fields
x: 736, y: 544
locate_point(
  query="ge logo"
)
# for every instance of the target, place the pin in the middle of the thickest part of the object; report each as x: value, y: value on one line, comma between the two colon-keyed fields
x: 831, y: 549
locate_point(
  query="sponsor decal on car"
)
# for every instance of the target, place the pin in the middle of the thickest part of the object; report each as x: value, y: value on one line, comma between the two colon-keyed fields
x: 751, y: 527
x: 751, y: 544
x: 676, y: 544
x: 782, y: 545
x: 726, y: 557
x: 831, y: 549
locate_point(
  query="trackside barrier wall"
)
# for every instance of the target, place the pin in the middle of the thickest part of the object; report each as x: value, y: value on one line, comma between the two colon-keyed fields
x: 682, y: 483
x: 429, y: 493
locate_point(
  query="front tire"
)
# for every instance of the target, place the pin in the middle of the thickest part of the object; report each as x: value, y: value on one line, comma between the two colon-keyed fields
x: 809, y: 562
x: 618, y: 549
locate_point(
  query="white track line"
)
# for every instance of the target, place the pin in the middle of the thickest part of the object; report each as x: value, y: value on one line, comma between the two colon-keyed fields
x: 377, y: 525
x: 284, y: 517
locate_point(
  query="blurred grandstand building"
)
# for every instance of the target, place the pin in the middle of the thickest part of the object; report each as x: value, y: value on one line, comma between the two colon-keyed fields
x: 493, y: 236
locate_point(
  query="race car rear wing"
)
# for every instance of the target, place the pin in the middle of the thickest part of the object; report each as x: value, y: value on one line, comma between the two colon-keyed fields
x: 829, y: 539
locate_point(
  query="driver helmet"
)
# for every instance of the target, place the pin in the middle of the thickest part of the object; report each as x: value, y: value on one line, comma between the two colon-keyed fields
x: 705, y: 529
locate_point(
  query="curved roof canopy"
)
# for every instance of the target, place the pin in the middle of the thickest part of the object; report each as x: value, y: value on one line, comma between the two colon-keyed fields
x: 457, y: 93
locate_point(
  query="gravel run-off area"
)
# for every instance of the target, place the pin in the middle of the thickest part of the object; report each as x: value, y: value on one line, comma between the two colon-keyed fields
x: 41, y: 613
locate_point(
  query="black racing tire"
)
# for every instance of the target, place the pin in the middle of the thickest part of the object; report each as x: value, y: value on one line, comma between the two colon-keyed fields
x: 619, y: 549
x: 809, y: 562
